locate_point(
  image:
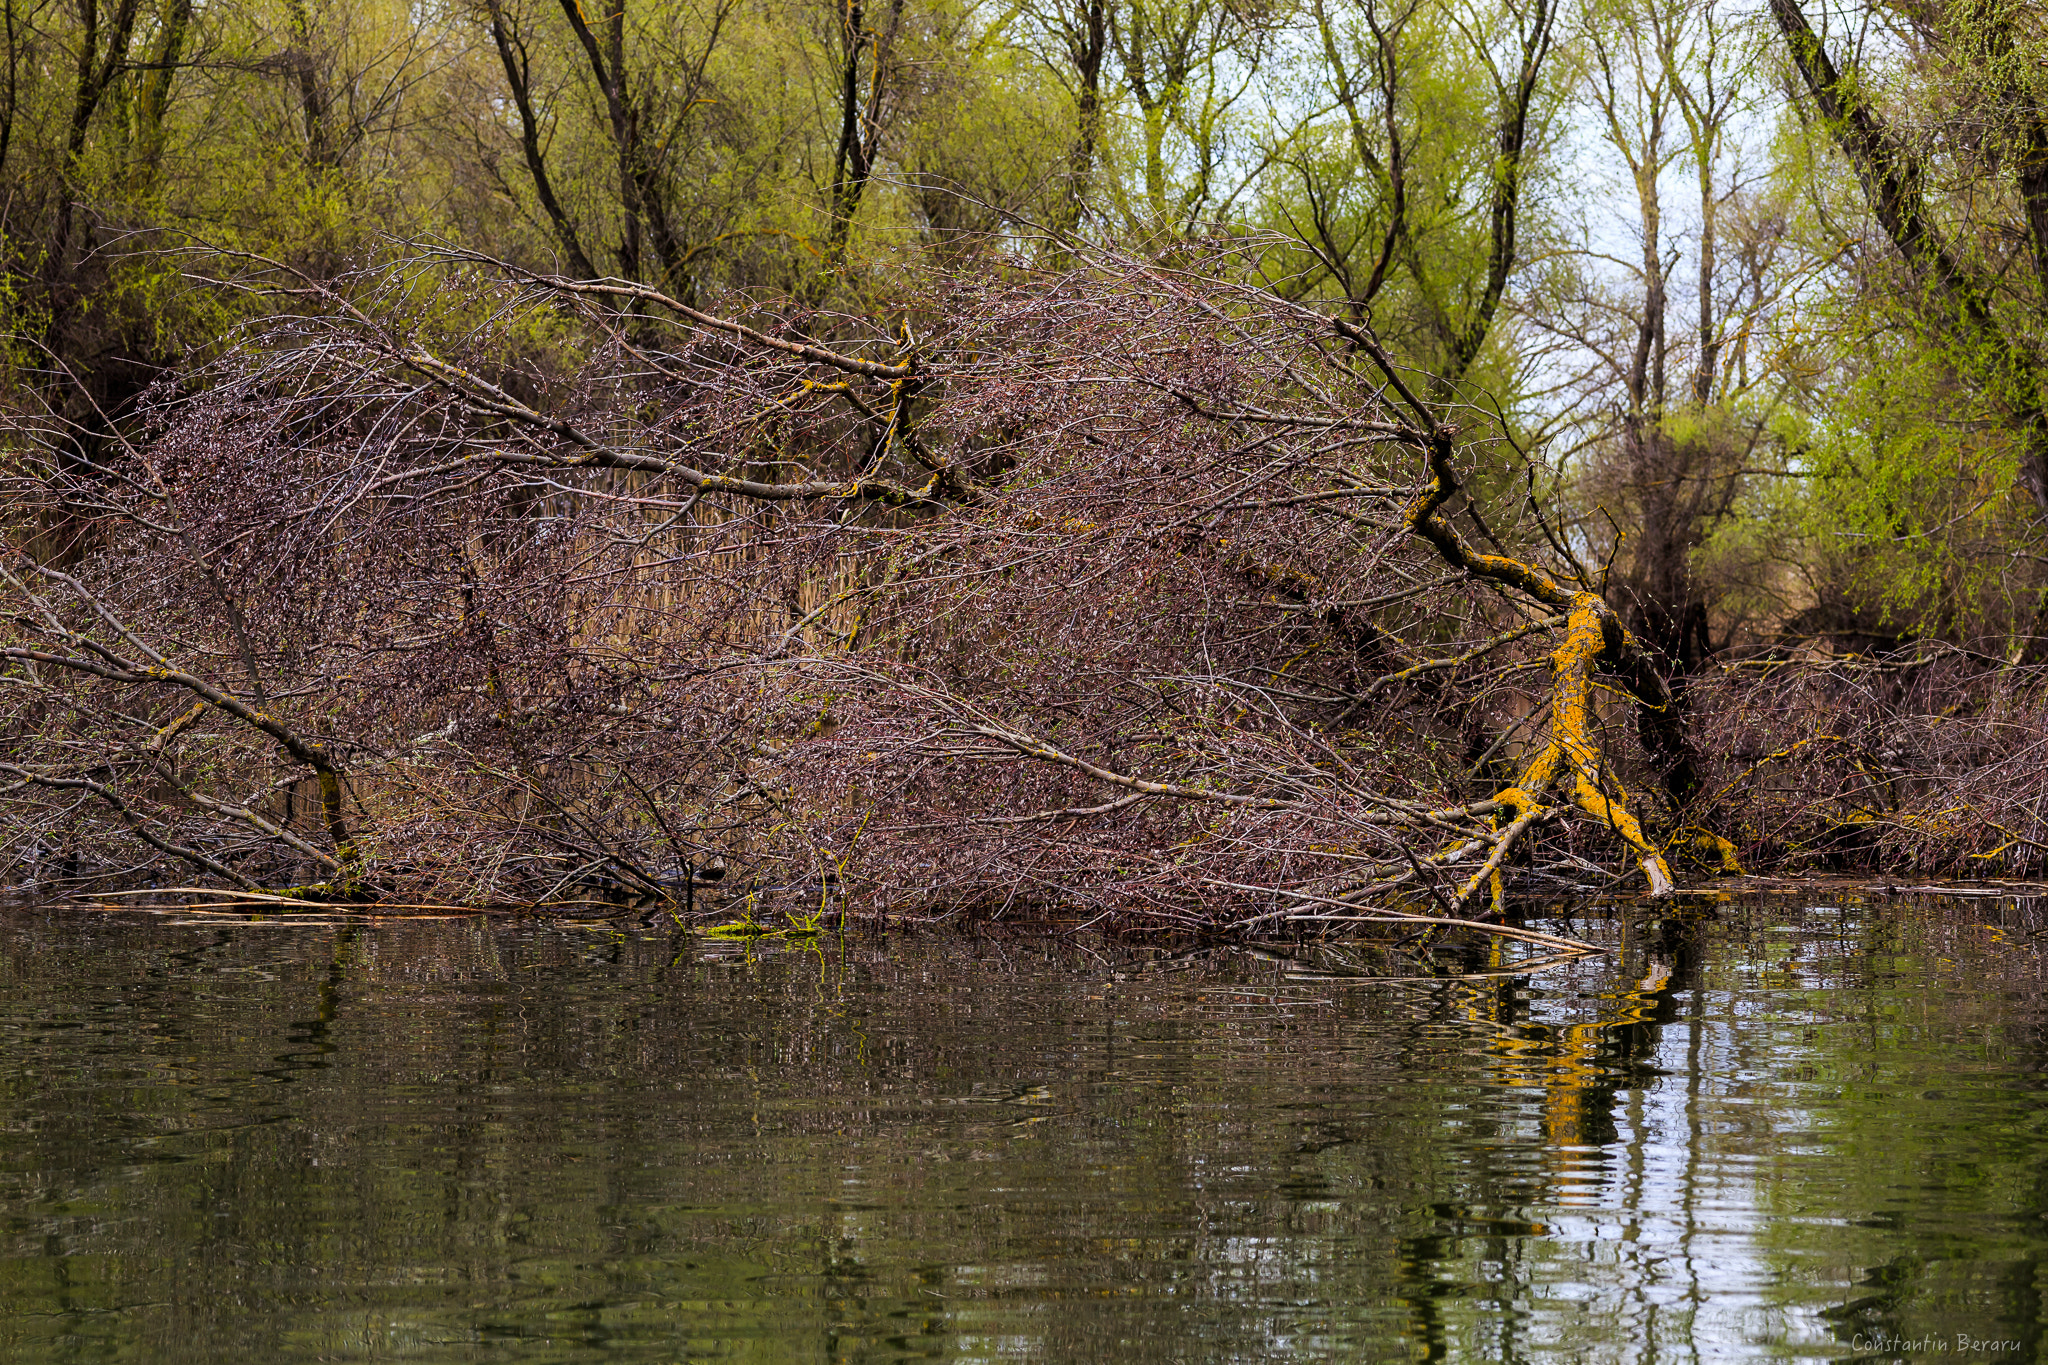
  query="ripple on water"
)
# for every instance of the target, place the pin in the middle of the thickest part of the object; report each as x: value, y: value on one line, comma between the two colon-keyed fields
x: 470, y: 1139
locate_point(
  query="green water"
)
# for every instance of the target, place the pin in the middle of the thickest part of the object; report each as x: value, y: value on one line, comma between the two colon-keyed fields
x: 1792, y: 1131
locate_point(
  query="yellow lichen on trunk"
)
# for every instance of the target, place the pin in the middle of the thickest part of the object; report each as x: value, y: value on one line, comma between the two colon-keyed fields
x: 1593, y: 635
x: 1707, y: 842
x: 1573, y: 754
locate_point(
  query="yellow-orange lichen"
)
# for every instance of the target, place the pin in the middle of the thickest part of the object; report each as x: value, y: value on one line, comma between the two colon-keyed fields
x: 1593, y: 634
x: 1573, y: 754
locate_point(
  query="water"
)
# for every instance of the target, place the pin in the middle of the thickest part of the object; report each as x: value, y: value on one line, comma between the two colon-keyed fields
x: 1794, y: 1131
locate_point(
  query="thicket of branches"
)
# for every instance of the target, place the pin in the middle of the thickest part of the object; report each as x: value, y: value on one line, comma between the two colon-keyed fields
x: 1128, y: 585
x: 1738, y: 312
x: 1123, y: 587
x: 1762, y: 290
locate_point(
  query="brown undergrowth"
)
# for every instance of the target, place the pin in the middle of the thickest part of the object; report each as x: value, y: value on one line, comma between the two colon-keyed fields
x: 1925, y: 760
x: 1129, y: 590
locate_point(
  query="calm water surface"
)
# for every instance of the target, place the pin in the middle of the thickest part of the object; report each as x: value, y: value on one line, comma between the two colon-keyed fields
x: 1791, y: 1130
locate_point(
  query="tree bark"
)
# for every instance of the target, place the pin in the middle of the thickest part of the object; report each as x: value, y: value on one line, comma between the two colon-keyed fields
x: 518, y: 68
x: 1891, y: 178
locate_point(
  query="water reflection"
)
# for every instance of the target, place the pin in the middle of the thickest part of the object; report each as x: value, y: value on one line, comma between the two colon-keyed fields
x: 1785, y: 1131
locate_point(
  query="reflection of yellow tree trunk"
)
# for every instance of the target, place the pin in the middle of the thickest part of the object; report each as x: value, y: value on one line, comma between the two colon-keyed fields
x: 1579, y: 1074
x: 1578, y: 1066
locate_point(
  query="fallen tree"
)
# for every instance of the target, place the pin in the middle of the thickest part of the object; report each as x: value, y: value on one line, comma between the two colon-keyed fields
x: 1124, y: 587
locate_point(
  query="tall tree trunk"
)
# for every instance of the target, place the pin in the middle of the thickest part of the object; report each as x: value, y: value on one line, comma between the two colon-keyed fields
x: 1087, y: 43
x: 1958, y: 302
x: 513, y: 56
x: 7, y: 94
x: 642, y: 201
x: 97, y: 70
x: 153, y: 105
x: 1517, y: 101
x: 860, y: 121
x: 321, y: 153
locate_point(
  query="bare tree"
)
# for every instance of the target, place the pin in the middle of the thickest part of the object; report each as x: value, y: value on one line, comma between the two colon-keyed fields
x: 1104, y: 587
x: 1413, y: 156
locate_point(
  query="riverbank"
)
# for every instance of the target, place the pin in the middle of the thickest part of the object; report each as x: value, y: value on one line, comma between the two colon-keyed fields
x: 1150, y: 595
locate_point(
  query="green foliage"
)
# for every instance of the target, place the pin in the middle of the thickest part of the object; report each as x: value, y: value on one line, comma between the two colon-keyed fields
x: 1447, y: 168
x: 1909, y: 512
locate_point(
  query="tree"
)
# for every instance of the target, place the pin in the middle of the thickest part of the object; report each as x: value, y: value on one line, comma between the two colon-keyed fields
x: 854, y: 609
x: 1421, y: 181
x: 1666, y: 82
x: 1958, y: 292
x: 1938, y: 119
